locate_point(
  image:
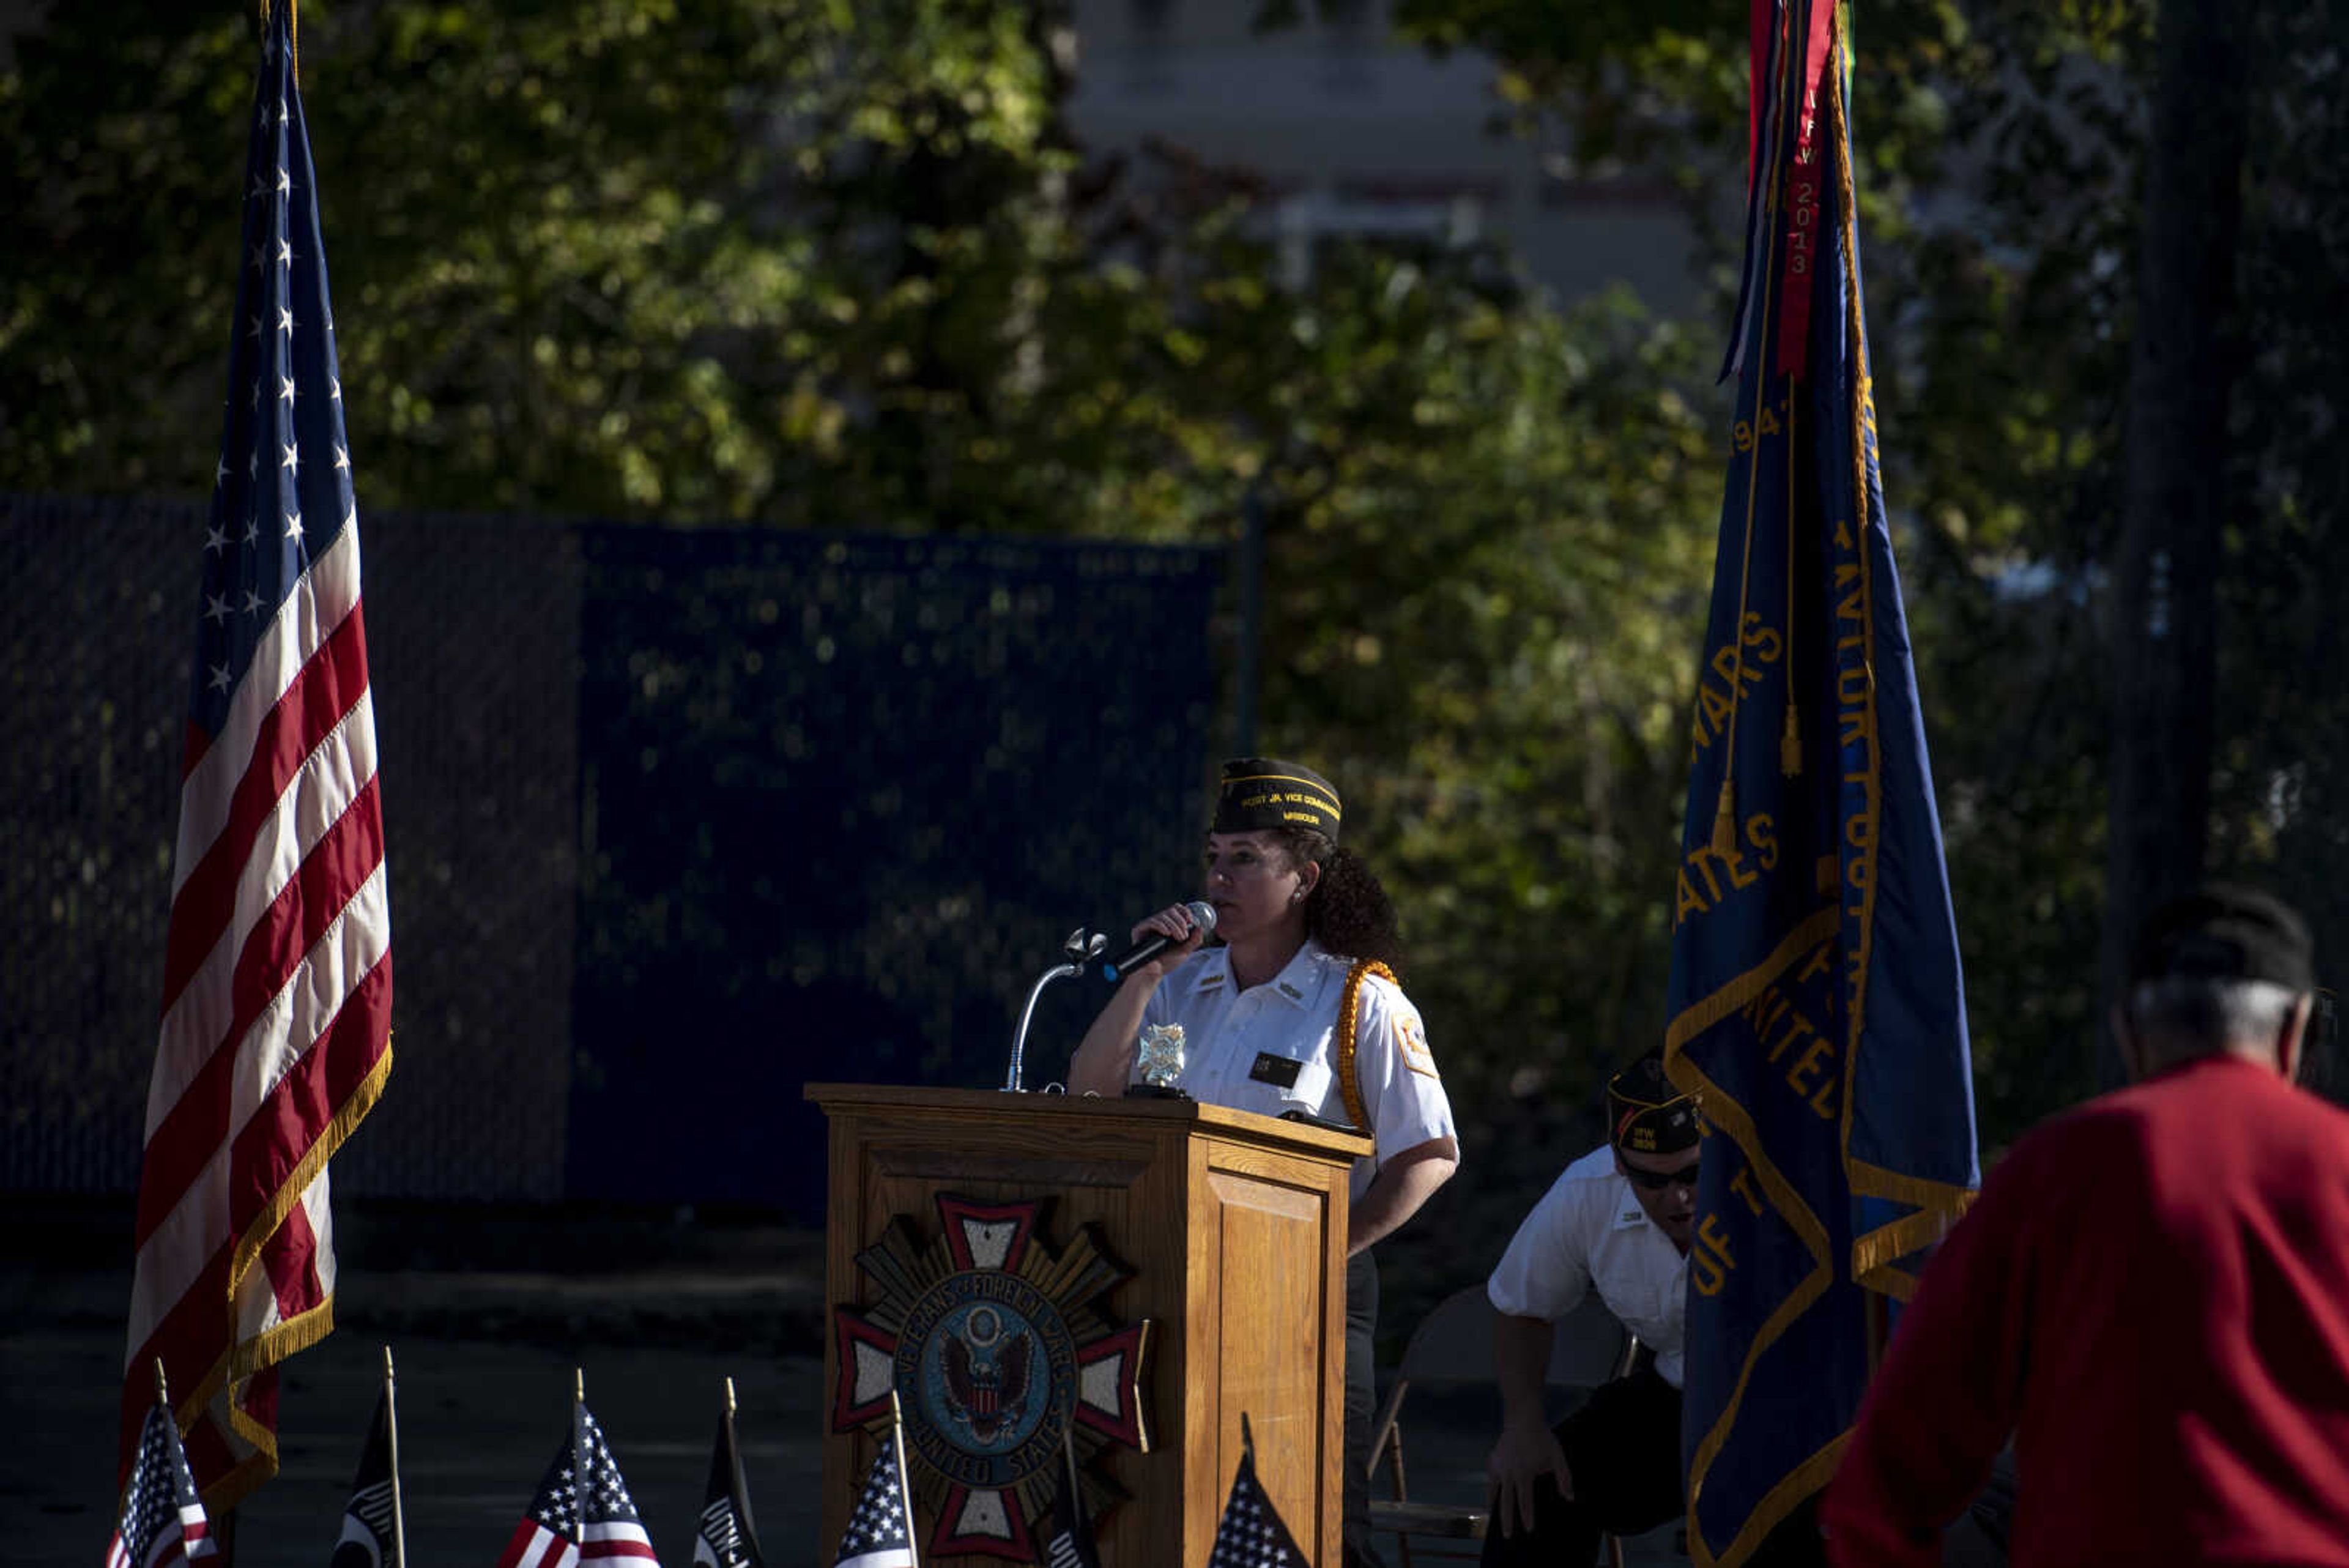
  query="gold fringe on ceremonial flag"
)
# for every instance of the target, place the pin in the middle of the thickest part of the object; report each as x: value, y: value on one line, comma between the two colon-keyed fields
x: 306, y: 1170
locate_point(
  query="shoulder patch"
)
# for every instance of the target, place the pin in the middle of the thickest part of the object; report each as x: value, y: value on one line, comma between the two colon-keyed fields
x: 1410, y: 1040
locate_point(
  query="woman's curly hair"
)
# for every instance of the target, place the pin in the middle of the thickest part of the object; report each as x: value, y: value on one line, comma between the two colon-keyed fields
x: 1347, y: 912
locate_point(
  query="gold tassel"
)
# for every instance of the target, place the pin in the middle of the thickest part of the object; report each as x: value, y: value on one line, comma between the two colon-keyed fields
x: 1790, y: 745
x: 1724, y: 822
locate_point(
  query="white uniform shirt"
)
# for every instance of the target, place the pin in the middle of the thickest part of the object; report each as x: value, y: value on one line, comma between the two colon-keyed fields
x: 1589, y: 1229
x: 1272, y: 1048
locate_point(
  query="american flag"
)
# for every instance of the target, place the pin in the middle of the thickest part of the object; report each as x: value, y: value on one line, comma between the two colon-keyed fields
x: 1250, y: 1534
x: 880, y: 1533
x: 277, y: 977
x: 582, y: 1511
x: 163, y: 1518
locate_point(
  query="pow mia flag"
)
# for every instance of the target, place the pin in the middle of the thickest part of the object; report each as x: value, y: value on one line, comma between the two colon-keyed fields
x: 1071, y: 1544
x: 371, y: 1524
x: 726, y: 1538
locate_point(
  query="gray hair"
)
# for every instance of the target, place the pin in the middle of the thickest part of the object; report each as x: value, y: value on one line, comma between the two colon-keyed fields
x: 2183, y: 1016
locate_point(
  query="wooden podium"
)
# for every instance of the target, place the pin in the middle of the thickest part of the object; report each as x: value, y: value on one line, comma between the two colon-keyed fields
x: 1234, y: 1227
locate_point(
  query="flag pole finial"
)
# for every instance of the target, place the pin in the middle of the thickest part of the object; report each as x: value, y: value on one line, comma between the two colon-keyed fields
x: 730, y: 1398
x: 163, y: 1385
x: 578, y: 1386
x: 293, y: 31
x: 387, y: 1364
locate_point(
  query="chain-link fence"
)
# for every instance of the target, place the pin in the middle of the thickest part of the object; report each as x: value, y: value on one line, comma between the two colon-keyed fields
x: 677, y: 820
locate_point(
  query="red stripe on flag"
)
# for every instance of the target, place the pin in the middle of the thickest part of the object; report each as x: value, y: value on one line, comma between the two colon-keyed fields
x: 260, y: 1400
x: 209, y: 1451
x: 532, y: 1544
x: 306, y: 1099
x: 331, y: 681
x: 192, y: 1131
x: 193, y: 1335
x: 196, y: 1332
x: 291, y: 1250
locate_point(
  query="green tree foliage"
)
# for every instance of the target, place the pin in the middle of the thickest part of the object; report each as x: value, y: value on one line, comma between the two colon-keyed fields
x: 1995, y: 148
x: 804, y: 263
x: 2000, y: 151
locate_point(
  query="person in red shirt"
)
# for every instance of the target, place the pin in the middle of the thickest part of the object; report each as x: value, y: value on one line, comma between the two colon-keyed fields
x: 2150, y: 1297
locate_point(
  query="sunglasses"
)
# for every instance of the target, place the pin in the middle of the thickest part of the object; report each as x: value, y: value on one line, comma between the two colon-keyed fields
x: 1656, y: 1180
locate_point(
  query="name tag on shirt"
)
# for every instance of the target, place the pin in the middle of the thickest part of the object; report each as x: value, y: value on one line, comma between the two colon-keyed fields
x: 1280, y: 1072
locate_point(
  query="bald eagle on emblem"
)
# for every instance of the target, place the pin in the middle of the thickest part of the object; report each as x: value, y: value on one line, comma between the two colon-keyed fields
x: 988, y: 1385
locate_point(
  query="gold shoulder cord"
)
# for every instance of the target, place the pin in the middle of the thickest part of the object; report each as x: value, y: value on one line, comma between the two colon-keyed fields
x: 1349, y: 1015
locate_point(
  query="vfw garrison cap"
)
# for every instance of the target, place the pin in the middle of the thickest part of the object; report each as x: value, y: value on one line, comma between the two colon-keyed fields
x: 1646, y: 1114
x: 1260, y: 793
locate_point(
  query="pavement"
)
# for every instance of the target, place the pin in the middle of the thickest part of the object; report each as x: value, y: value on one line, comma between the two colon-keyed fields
x: 487, y: 1315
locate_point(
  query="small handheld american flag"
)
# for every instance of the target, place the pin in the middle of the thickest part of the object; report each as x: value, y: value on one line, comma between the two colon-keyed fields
x: 880, y: 1533
x: 163, y: 1518
x: 582, y: 1511
x: 1250, y: 1534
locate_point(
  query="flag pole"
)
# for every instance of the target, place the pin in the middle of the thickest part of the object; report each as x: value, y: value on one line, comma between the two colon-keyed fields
x: 391, y: 1420
x: 905, y: 1494
x: 579, y: 1452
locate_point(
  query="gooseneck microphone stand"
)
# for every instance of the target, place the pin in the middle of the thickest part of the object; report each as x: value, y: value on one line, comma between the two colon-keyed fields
x: 1082, y: 950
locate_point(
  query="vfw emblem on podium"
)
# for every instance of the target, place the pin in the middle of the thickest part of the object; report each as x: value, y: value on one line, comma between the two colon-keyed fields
x: 996, y: 1346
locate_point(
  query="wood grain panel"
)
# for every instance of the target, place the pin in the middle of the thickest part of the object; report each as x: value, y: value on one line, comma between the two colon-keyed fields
x: 1270, y: 1320
x: 1233, y: 1225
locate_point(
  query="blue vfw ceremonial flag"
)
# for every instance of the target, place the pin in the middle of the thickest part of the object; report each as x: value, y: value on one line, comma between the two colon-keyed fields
x: 1816, y: 1003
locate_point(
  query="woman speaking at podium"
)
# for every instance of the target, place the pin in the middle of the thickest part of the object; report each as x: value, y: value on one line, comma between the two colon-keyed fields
x: 1296, y: 1009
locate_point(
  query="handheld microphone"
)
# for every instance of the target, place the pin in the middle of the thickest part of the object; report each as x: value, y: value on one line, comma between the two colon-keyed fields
x: 1203, y: 915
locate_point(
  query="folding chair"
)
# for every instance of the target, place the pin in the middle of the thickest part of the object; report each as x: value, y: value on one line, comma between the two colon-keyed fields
x: 1452, y: 1346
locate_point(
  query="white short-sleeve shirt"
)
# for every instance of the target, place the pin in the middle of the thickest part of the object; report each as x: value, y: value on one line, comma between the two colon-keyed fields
x: 1589, y: 1230
x: 1272, y: 1048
